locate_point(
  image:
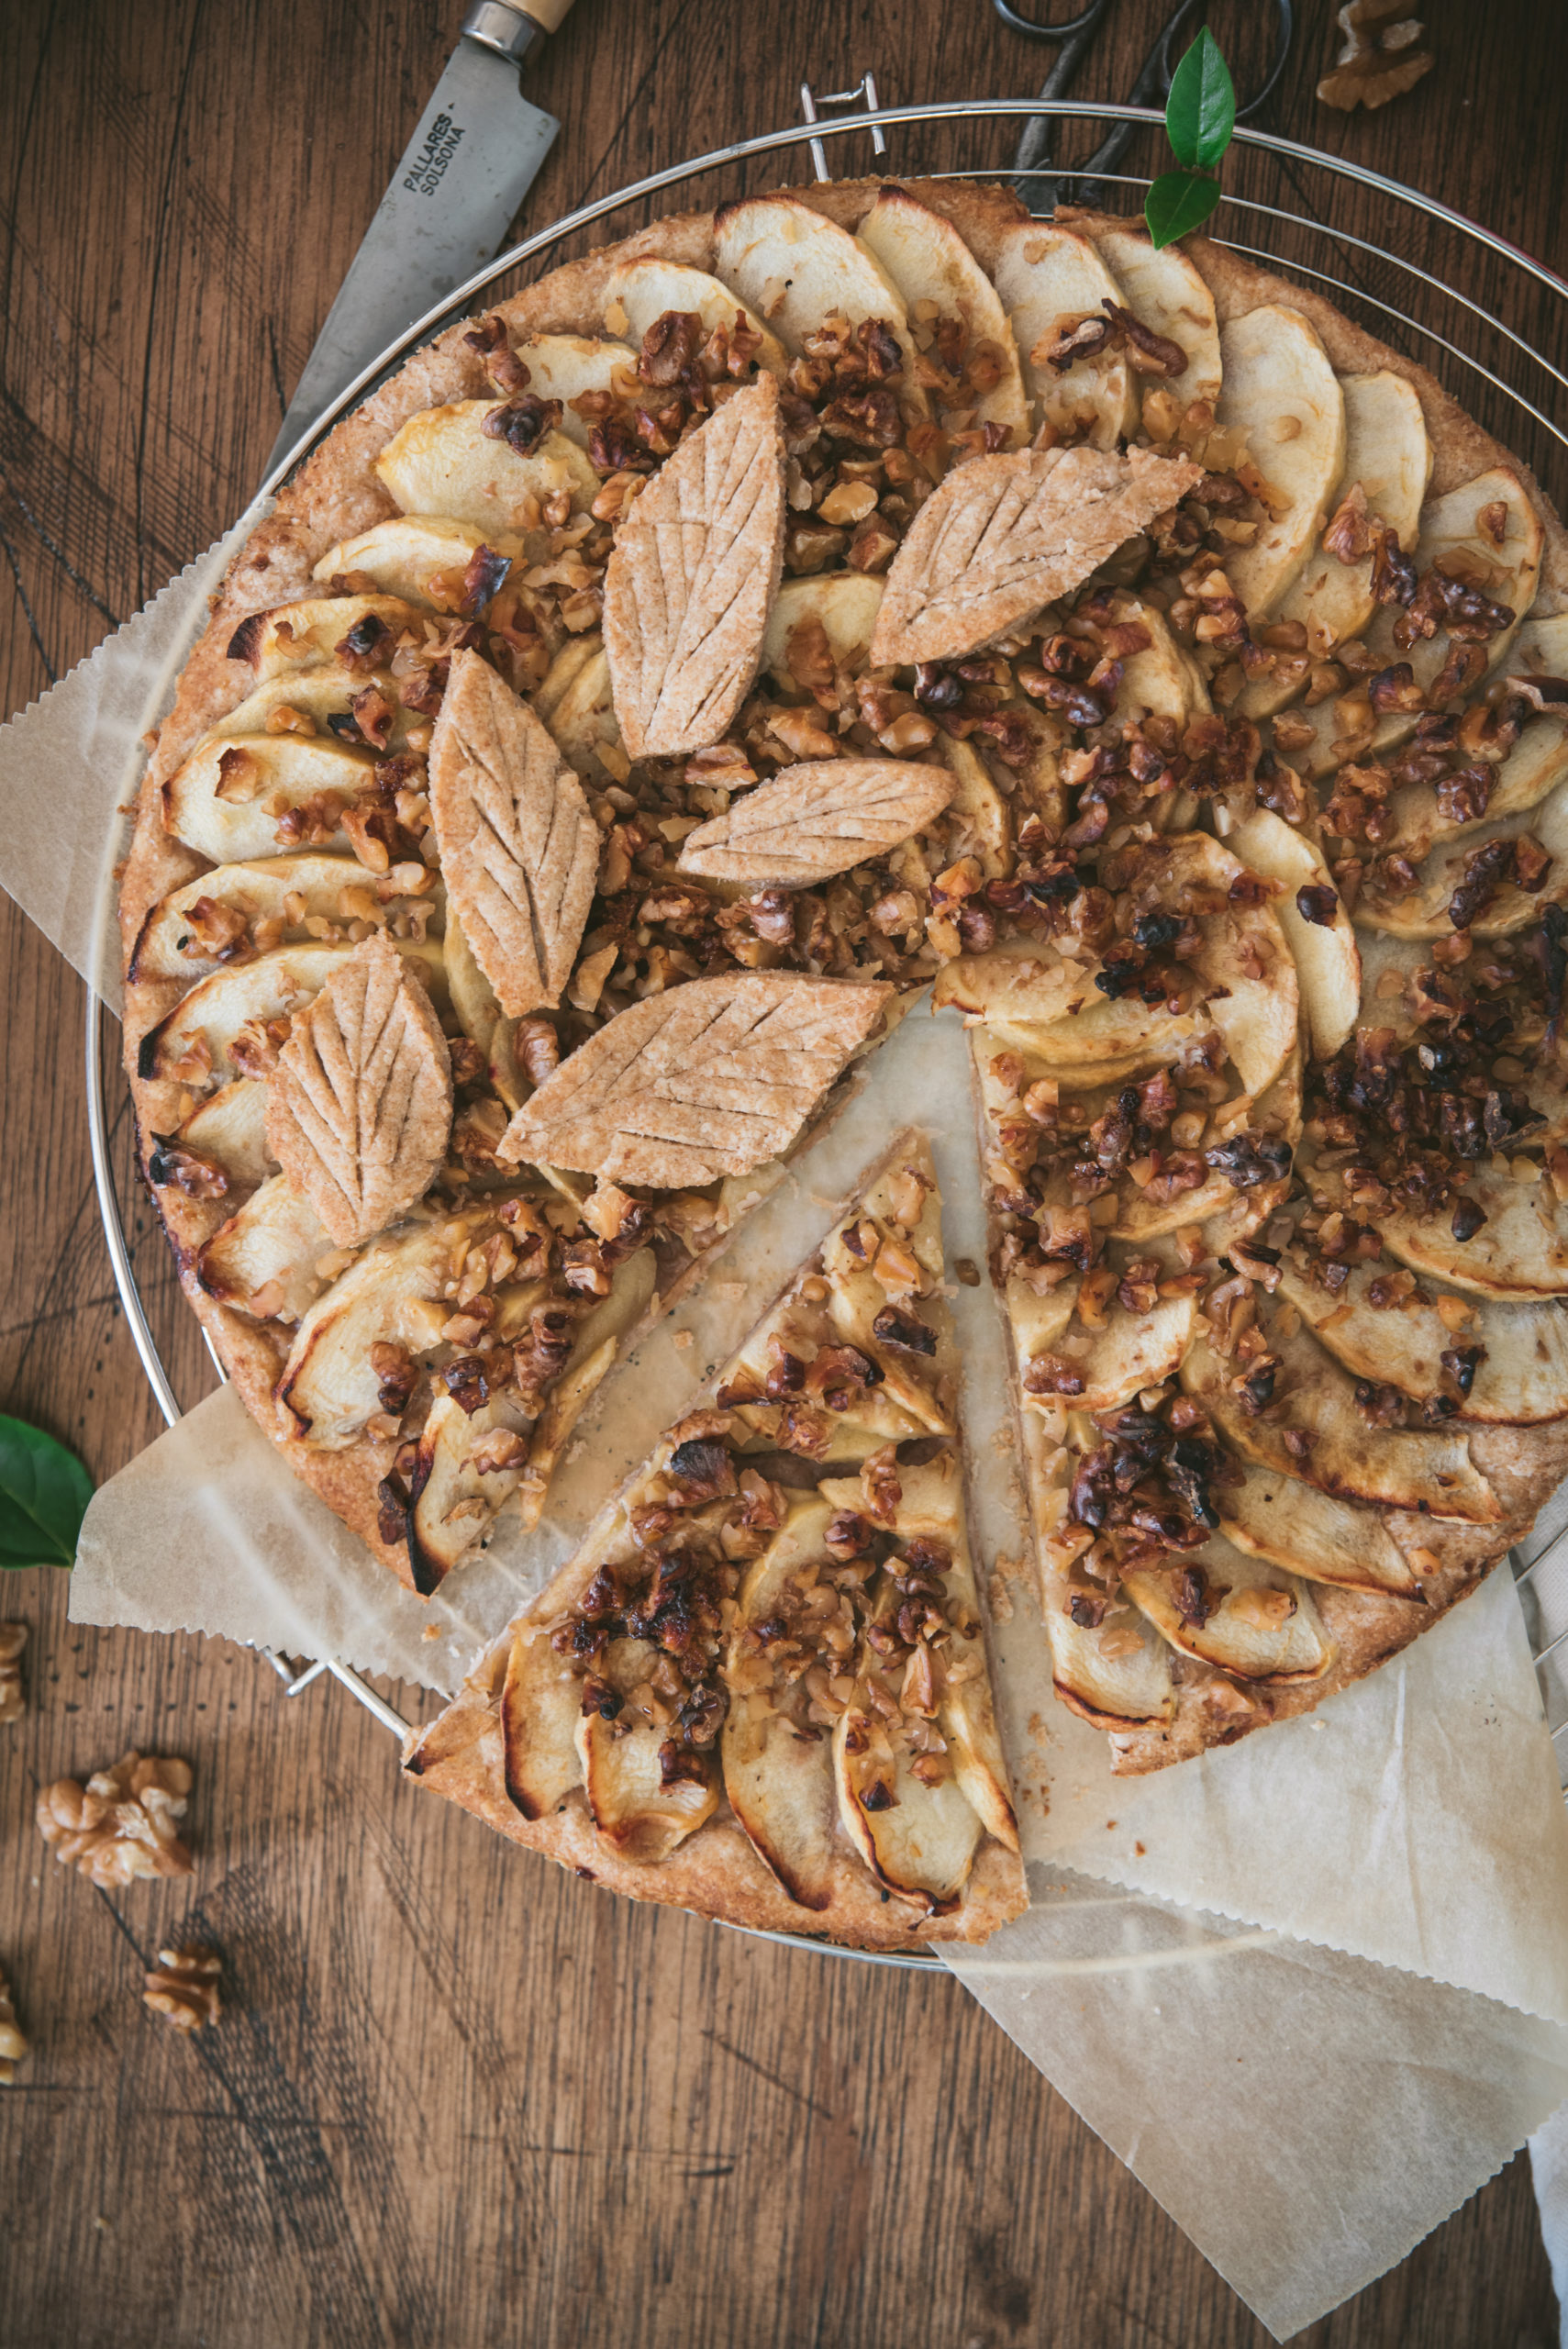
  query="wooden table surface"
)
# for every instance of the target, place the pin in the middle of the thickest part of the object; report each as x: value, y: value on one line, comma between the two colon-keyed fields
x: 459, y: 2098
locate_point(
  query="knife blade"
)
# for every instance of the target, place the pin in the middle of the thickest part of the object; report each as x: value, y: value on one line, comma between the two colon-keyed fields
x: 471, y: 162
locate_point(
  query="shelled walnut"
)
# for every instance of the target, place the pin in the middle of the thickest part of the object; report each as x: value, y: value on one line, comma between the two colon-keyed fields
x: 1382, y: 57
x: 120, y: 1825
x: 13, y: 2039
x: 184, y: 1986
x: 13, y: 1696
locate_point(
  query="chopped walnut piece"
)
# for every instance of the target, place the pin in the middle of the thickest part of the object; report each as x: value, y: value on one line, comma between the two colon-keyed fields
x: 13, y: 1698
x: 120, y: 1825
x: 1380, y: 58
x: 184, y: 1986
x: 13, y: 2039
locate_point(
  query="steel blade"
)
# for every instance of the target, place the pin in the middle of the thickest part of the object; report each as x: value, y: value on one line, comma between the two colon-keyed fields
x: 475, y: 154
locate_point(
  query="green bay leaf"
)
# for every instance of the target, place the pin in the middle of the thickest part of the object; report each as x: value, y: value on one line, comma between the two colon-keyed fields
x: 44, y: 1492
x: 1177, y: 203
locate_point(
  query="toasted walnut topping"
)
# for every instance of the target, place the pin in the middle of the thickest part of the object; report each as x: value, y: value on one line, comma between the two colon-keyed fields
x: 121, y: 1824
x: 13, y: 2039
x: 12, y: 1697
x: 1380, y: 58
x: 184, y: 1986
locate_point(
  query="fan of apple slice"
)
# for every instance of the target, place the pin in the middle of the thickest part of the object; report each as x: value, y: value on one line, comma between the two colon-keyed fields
x: 1308, y: 1426
x: 1488, y: 527
x: 1423, y: 912
x: 1513, y: 1356
x: 1388, y: 458
x: 939, y: 277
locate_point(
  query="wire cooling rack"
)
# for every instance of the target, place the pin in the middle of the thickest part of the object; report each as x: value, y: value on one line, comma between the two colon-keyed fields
x: 1281, y: 213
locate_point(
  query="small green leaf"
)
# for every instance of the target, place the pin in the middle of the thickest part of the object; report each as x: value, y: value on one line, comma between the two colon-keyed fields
x: 44, y: 1492
x: 1176, y: 202
x: 1200, y: 113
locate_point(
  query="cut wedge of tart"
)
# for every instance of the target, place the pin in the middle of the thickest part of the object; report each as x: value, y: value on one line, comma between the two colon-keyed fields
x: 759, y: 1689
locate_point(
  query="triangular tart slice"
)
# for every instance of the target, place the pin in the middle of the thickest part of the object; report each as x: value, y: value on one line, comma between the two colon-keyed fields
x: 759, y: 1689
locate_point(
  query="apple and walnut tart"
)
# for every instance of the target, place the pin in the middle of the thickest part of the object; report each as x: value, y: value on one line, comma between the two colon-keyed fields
x: 665, y: 678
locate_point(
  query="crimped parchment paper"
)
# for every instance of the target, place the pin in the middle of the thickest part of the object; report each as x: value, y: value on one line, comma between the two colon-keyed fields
x: 1324, y: 2000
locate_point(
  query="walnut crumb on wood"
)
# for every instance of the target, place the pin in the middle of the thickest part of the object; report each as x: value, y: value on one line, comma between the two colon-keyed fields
x: 184, y: 1986
x: 121, y: 1824
x: 12, y: 1697
x: 12, y: 2038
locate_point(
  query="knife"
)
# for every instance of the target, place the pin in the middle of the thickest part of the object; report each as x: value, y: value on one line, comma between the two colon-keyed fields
x: 478, y: 147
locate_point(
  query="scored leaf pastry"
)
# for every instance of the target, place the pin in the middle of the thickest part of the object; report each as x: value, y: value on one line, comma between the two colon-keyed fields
x: 1004, y: 535
x: 519, y: 849
x: 360, y: 1104
x: 709, y: 1079
x: 695, y: 568
x: 759, y: 1689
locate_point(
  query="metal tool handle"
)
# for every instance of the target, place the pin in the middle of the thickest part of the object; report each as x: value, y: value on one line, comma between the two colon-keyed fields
x: 511, y: 31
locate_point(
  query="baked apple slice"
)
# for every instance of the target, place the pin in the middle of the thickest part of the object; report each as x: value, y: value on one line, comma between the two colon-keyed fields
x: 444, y: 462
x: 361, y: 630
x: 564, y: 366
x: 1282, y: 395
x: 638, y: 293
x: 262, y: 1261
x: 1318, y: 1534
x: 1237, y: 1611
x: 1165, y: 293
x: 1054, y: 286
x: 228, y: 798
x: 225, y: 916
x: 1319, y: 932
x: 429, y: 559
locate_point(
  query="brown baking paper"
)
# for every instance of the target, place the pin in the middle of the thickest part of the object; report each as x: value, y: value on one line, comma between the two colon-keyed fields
x: 70, y: 765
x: 1412, y: 1822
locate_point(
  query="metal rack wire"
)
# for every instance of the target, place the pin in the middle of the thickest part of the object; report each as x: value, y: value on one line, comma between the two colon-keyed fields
x: 1408, y: 206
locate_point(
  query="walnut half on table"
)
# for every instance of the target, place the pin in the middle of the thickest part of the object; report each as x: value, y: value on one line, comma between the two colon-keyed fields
x: 12, y: 2038
x: 183, y: 1986
x: 121, y: 1824
x: 13, y: 1696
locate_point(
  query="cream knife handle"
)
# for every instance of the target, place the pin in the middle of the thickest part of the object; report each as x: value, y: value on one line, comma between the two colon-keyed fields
x: 511, y: 31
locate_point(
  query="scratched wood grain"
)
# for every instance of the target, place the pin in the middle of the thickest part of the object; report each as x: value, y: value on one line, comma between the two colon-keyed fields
x: 459, y: 2097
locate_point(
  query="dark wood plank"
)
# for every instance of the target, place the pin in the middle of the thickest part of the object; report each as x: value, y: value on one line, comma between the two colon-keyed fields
x: 457, y: 2096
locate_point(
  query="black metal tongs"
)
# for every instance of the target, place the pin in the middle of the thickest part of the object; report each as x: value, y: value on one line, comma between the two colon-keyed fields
x: 1034, y: 180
